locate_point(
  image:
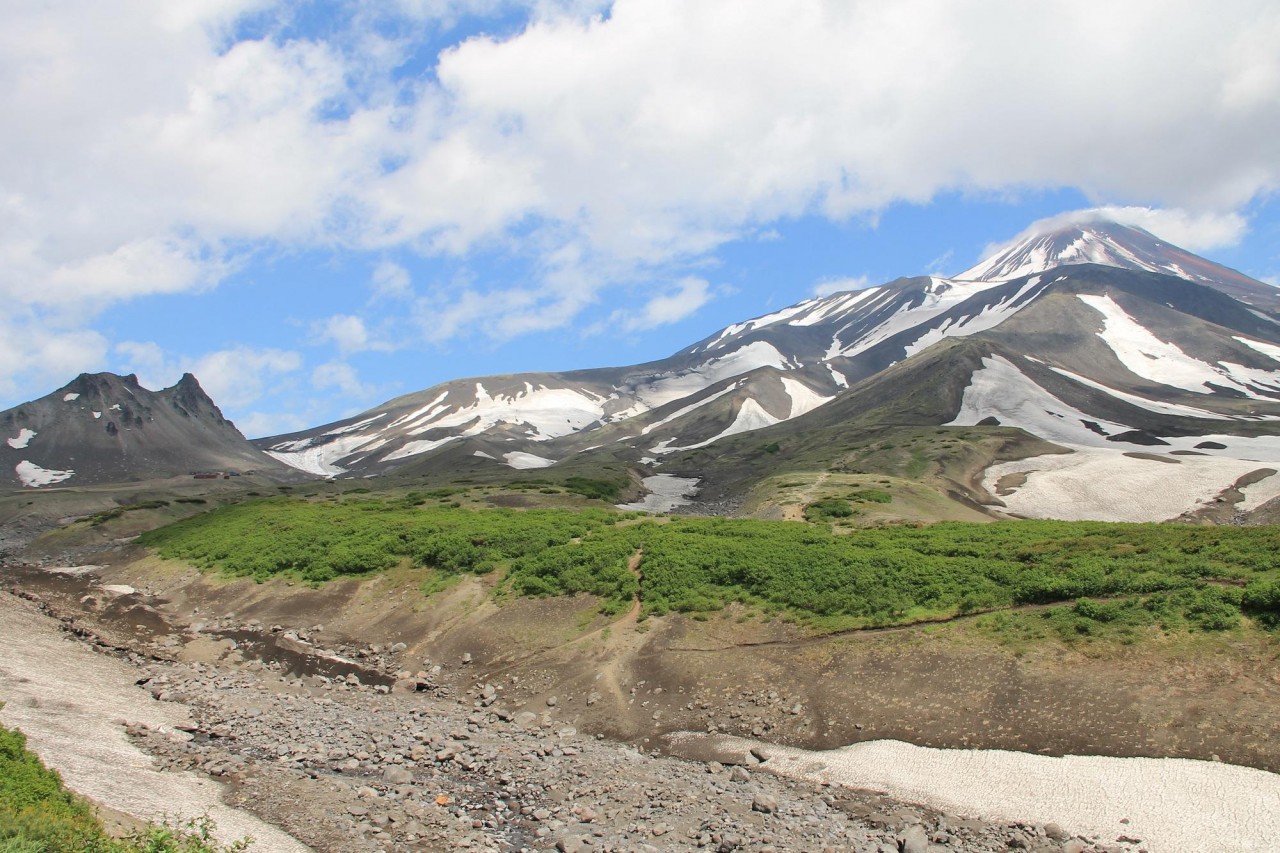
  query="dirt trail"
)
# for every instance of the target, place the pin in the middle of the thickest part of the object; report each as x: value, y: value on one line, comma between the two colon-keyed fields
x: 795, y: 512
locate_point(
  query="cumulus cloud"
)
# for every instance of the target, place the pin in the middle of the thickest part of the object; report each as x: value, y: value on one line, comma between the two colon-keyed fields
x: 391, y: 281
x: 348, y: 332
x: 679, y: 301
x: 1197, y: 232
x: 148, y: 149
x: 340, y: 376
x: 235, y: 377
x: 36, y: 354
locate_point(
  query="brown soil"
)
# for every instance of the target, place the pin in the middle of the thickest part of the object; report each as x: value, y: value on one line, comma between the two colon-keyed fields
x: 635, y: 680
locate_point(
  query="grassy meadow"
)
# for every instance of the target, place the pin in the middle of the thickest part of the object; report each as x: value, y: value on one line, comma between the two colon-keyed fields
x: 1081, y: 576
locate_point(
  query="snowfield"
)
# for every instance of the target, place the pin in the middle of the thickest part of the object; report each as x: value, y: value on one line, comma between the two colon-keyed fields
x: 1107, y: 485
x: 22, y: 439
x: 519, y: 460
x: 666, y: 492
x: 33, y: 476
x: 1160, y: 361
x: 1103, y: 480
x: 1174, y: 805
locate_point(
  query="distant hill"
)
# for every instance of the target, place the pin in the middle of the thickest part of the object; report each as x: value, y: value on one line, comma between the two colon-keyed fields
x: 104, y: 428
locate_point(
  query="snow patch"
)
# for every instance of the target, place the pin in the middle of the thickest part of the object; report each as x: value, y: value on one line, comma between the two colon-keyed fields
x: 751, y: 416
x: 666, y: 389
x: 1142, y: 402
x: 1172, y: 804
x: 1107, y: 485
x: 941, y: 295
x: 22, y: 440
x: 803, y: 398
x: 679, y: 413
x: 413, y: 448
x: 1001, y: 390
x: 519, y: 460
x: 484, y: 455
x: 1255, y: 495
x: 988, y: 318
x: 33, y: 476
x: 838, y: 377
x: 417, y: 413
x: 548, y: 412
x: 97, y: 416
x: 1271, y: 351
x: 666, y: 492
x: 1147, y: 356
x: 69, y: 396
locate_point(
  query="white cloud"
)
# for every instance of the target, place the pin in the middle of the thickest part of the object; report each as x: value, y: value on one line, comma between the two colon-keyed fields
x: 348, y: 332
x: 340, y: 376
x: 1197, y: 232
x: 258, y: 424
x: 147, y: 151
x: 240, y: 376
x: 828, y: 286
x: 36, y: 356
x: 235, y: 377
x: 391, y: 281
x: 679, y: 301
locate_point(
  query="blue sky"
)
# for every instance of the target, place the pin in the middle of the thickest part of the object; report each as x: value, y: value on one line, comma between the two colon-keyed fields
x: 316, y: 206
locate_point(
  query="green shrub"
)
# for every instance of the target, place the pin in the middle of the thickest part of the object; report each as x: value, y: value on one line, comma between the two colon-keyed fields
x: 827, y: 509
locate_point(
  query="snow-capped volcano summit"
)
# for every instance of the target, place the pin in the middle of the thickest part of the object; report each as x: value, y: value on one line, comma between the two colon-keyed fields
x: 1091, y: 240
x: 783, y: 365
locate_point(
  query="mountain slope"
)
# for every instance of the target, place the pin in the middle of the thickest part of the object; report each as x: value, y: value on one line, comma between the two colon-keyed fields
x: 103, y: 428
x: 1151, y: 337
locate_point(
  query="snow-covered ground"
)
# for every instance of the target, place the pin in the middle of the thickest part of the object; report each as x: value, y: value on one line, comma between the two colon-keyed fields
x: 1102, y: 480
x: 1107, y: 485
x: 33, y: 476
x: 666, y: 492
x: 1161, y: 361
x: 22, y: 439
x: 517, y: 459
x: 751, y: 416
x: 1174, y: 805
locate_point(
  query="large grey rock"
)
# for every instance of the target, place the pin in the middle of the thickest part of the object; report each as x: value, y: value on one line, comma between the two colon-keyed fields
x: 913, y: 840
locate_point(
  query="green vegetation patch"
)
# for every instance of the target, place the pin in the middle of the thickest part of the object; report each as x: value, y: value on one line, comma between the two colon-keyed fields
x: 106, y: 515
x: 827, y: 509
x: 1197, y: 578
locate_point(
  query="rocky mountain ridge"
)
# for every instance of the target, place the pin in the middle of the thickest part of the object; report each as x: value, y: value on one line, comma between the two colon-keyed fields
x: 104, y: 428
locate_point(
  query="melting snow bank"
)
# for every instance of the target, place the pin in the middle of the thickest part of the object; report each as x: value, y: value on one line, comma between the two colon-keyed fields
x: 1172, y: 804
x: 520, y: 460
x: 666, y: 492
x: 64, y: 697
x: 33, y: 476
x: 1107, y: 485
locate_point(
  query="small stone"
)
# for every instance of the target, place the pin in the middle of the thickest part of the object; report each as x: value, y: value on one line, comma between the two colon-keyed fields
x: 397, y: 775
x: 739, y: 774
x: 551, y: 701
x: 1055, y: 832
